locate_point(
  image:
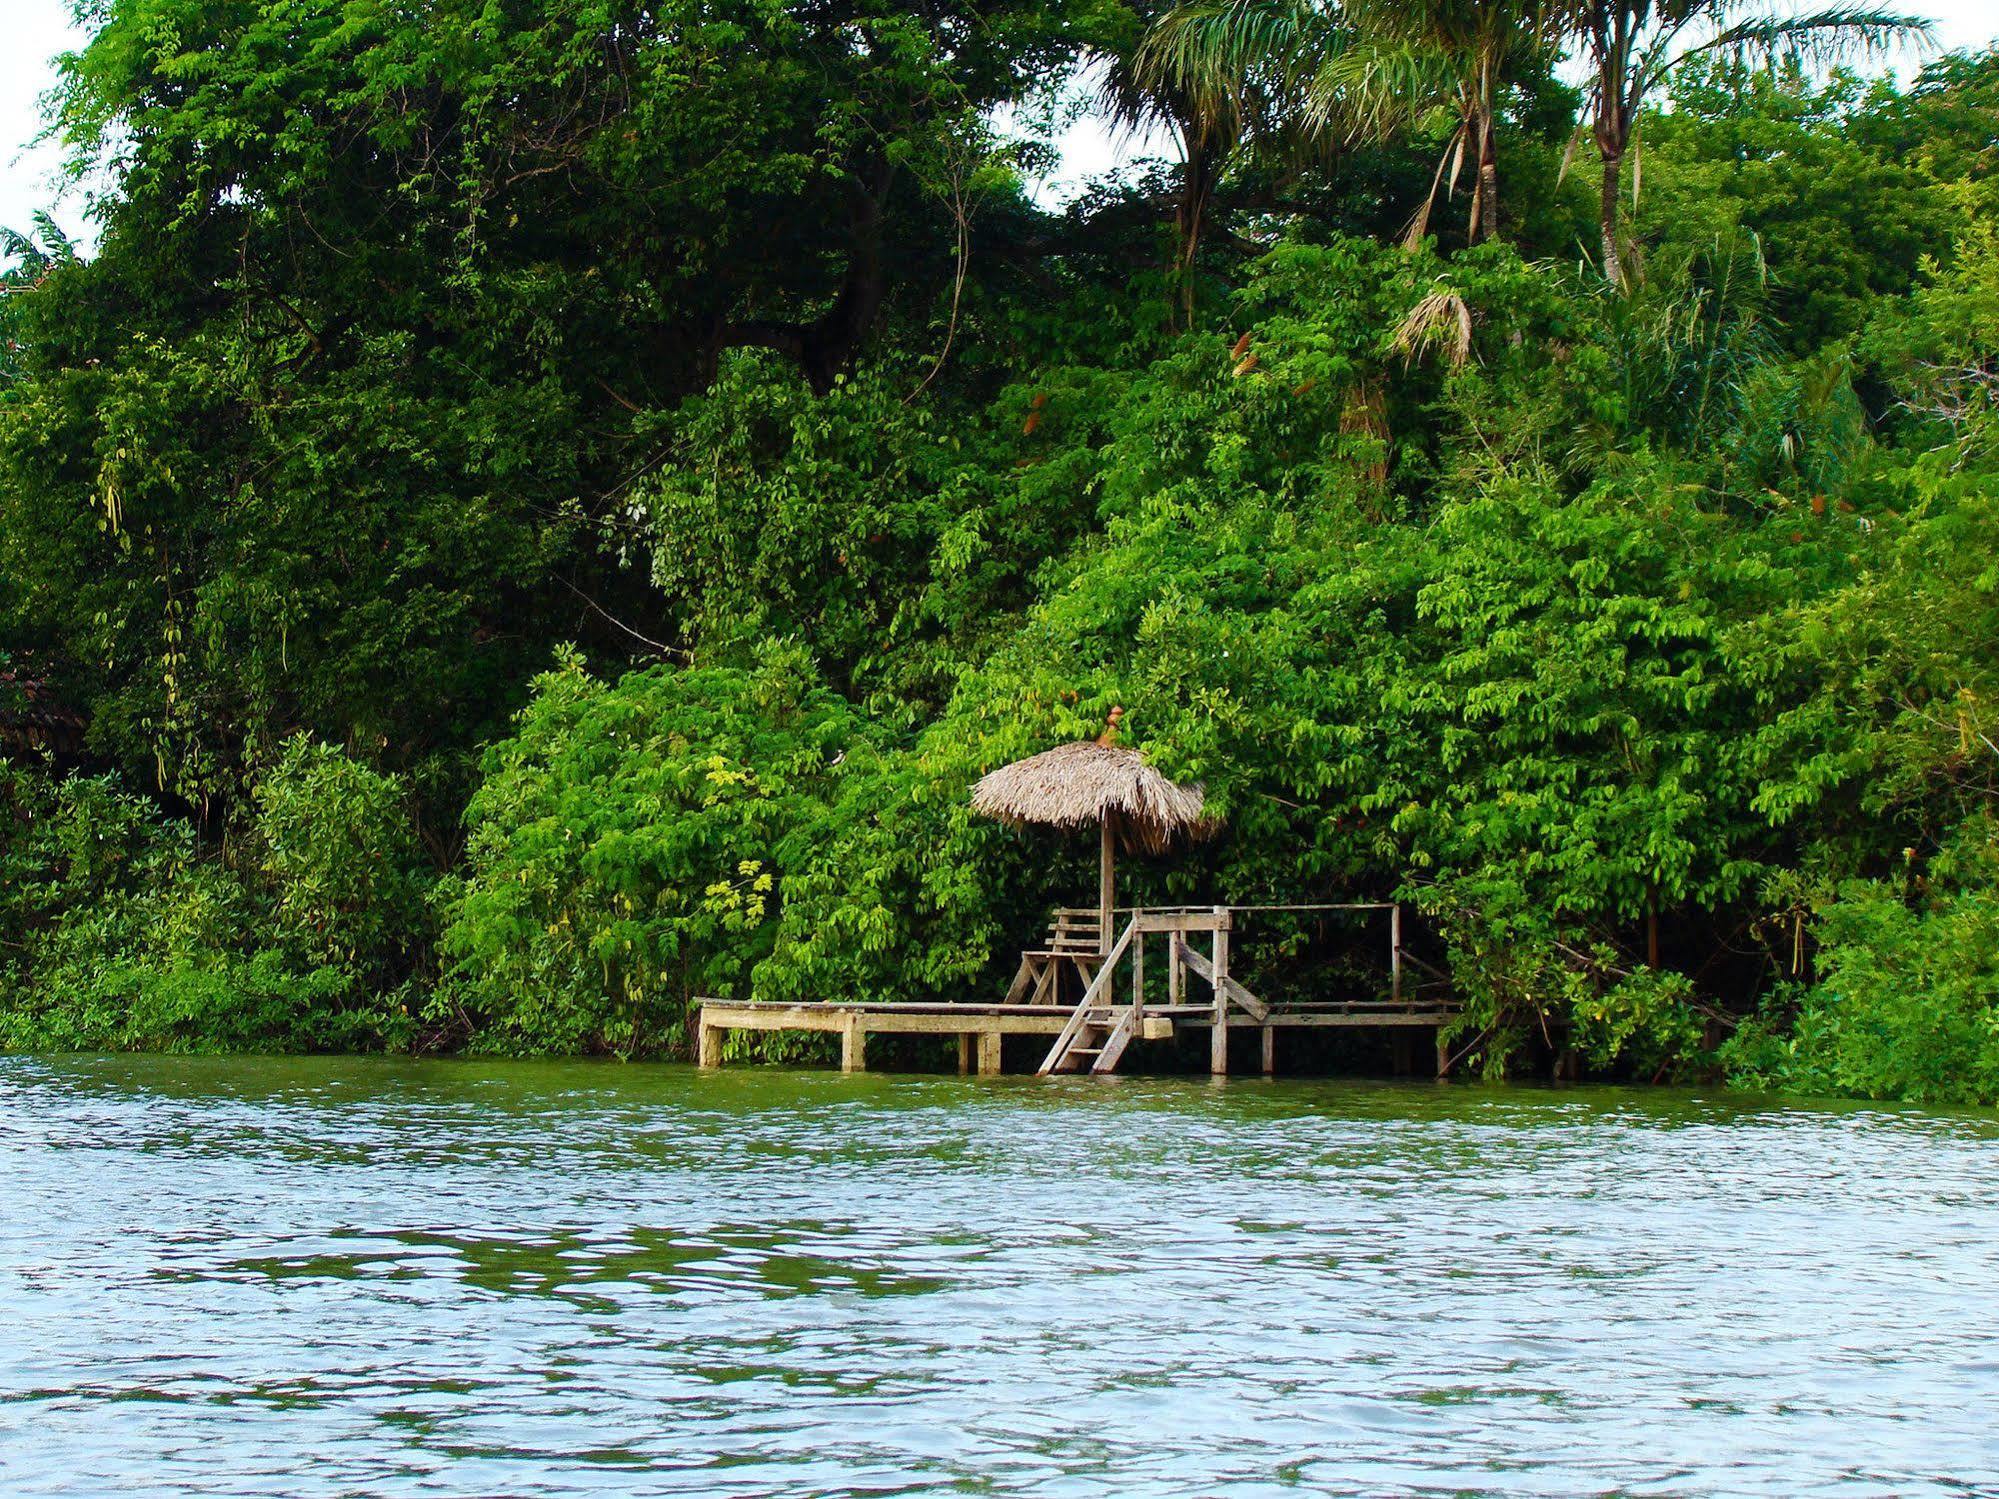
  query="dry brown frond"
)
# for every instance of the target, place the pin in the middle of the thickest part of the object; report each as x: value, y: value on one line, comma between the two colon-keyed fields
x: 1441, y: 317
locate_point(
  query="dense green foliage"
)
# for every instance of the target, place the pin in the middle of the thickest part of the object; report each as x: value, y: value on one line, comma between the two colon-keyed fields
x: 627, y: 844
x: 123, y: 931
x: 547, y: 509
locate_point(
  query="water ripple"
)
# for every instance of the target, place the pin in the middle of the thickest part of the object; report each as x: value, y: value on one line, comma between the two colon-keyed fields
x: 323, y: 1278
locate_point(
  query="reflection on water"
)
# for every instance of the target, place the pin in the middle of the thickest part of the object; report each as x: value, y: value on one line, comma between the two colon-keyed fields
x: 352, y: 1277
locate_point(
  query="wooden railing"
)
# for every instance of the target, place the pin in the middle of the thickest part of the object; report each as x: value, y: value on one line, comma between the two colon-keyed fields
x: 1230, y: 996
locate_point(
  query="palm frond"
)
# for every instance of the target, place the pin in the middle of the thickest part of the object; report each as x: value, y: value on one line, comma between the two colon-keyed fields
x: 1210, y: 46
x: 1442, y: 317
x: 1373, y: 88
x: 1820, y: 38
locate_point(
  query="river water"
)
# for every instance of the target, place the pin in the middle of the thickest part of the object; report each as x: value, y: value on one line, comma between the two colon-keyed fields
x: 376, y: 1278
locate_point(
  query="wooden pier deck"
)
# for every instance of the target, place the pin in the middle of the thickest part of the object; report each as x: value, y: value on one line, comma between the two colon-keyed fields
x: 979, y: 1028
x: 1094, y: 1032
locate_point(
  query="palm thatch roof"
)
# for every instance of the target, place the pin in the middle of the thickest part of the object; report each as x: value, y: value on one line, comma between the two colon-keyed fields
x: 1077, y: 785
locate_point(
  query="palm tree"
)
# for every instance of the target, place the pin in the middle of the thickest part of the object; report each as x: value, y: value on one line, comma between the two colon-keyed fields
x: 33, y: 257
x: 1226, y: 76
x: 1358, y: 69
x: 1415, y: 55
x: 1633, y: 44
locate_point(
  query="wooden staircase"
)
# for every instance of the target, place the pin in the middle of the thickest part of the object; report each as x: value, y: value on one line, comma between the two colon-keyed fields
x: 1096, y: 1035
x: 1099, y: 1029
x: 1098, y: 1041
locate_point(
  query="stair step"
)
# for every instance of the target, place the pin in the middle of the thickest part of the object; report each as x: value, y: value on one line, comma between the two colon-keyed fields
x: 1086, y: 1051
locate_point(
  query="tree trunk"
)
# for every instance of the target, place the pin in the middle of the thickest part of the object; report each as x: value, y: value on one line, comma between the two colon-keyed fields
x: 1488, y: 180
x: 1196, y: 187
x: 1613, y: 171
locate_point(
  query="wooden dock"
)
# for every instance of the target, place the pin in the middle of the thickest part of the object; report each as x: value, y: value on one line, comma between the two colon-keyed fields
x: 1094, y: 1032
x: 980, y: 1027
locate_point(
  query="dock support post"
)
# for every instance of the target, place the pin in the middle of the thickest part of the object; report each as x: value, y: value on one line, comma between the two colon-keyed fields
x: 1395, y: 952
x: 1269, y: 1050
x: 853, y: 1046
x: 965, y: 1040
x: 1443, y: 1055
x: 989, y: 1053
x: 707, y: 1044
x: 1218, y: 1032
x: 1138, y: 974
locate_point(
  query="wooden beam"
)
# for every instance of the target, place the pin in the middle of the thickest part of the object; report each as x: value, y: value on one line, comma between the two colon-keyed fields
x: 1138, y: 974
x: 708, y: 1042
x: 853, y: 1047
x: 1224, y: 985
x: 1023, y: 980
x: 1218, y: 920
x: 965, y: 1040
x: 911, y: 1020
x: 1218, y: 1030
x: 1395, y: 952
x: 1443, y: 1055
x: 1359, y: 1020
x: 1107, y: 879
x: 1269, y: 1050
x: 989, y: 1053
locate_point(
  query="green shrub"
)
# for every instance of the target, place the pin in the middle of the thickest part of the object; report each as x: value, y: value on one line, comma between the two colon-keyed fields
x: 125, y: 933
x: 1907, y: 1002
x: 339, y: 858
x: 629, y: 849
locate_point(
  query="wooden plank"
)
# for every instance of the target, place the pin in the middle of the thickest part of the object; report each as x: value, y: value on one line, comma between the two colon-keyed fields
x: 1269, y: 1050
x: 1047, y: 1022
x: 1185, y: 921
x: 708, y: 1042
x: 853, y: 1047
x: 965, y: 1040
x: 1118, y: 1039
x: 1023, y: 979
x: 989, y: 1054
x: 778, y: 1018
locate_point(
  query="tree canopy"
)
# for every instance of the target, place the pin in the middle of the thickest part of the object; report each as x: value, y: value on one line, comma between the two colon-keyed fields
x: 545, y: 509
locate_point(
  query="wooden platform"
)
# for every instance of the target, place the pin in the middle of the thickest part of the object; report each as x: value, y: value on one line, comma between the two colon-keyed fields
x: 980, y: 1027
x: 1095, y: 1033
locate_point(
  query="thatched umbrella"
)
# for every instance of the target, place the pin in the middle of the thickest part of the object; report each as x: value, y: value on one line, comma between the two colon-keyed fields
x: 1099, y: 782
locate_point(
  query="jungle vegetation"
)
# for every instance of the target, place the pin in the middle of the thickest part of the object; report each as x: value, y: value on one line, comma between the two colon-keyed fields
x: 540, y: 509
